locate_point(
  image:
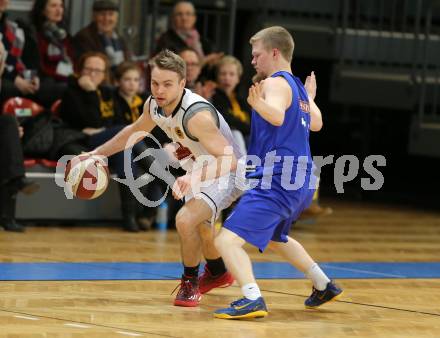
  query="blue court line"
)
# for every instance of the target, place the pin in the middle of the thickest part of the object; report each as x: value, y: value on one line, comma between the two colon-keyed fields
x: 171, y: 270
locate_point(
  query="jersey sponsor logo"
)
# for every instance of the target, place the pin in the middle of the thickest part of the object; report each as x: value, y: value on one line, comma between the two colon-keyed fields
x: 303, y: 122
x: 304, y: 106
x: 179, y: 132
x: 183, y: 152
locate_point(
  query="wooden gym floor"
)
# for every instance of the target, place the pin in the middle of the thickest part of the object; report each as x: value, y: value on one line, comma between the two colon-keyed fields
x: 40, y: 298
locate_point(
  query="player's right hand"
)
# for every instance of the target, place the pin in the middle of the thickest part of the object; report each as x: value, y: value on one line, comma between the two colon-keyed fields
x: 181, y: 187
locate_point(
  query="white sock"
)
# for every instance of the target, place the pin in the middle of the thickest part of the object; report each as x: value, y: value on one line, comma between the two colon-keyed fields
x: 318, y: 277
x: 251, y: 291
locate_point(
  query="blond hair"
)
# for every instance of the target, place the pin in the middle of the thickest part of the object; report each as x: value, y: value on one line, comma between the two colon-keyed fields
x: 230, y: 60
x: 276, y: 37
x: 167, y: 60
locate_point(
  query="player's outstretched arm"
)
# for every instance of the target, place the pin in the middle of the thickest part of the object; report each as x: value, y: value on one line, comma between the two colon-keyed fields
x: 120, y: 141
x: 270, y: 98
x: 315, y: 113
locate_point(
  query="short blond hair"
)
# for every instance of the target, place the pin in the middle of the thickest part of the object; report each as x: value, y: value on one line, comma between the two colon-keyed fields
x: 230, y: 60
x: 168, y: 60
x: 276, y: 37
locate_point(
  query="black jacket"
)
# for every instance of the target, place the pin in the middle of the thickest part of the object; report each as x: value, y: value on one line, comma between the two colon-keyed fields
x: 81, y: 109
x: 172, y: 41
x: 221, y: 101
x: 88, y: 39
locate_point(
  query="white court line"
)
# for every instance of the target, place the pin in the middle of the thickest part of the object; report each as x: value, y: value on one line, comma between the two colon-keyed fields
x: 26, y: 317
x: 362, y: 271
x: 129, y: 333
x: 81, y: 326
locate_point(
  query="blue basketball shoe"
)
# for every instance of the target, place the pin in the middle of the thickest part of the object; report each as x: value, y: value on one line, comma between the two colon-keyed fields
x: 331, y: 293
x: 243, y: 308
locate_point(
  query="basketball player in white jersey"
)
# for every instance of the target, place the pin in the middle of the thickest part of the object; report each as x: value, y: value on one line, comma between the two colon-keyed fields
x: 197, y: 129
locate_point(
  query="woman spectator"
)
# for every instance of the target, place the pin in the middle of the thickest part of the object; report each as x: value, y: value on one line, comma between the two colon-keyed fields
x: 54, y: 43
x: 101, y: 35
x: 199, y: 80
x: 54, y: 46
x: 227, y: 101
x: 20, y: 77
x: 87, y: 105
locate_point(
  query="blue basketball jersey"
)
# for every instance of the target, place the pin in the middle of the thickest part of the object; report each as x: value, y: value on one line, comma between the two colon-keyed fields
x: 266, y: 212
x: 290, y: 139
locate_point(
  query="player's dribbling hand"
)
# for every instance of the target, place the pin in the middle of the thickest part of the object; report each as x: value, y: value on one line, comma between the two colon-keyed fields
x: 310, y: 86
x: 181, y: 187
x: 255, y: 94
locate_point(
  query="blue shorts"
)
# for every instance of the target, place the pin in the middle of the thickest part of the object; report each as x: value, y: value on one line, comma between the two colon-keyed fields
x: 264, y: 215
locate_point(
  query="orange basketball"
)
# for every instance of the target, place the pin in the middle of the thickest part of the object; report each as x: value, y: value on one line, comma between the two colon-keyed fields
x: 87, y: 176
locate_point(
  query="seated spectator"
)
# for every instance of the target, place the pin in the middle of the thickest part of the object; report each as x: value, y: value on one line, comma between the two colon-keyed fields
x: 234, y: 108
x: 183, y: 33
x: 101, y: 35
x: 12, y: 169
x: 11, y: 173
x: 20, y: 77
x: 128, y: 103
x: 198, y: 79
x: 193, y: 66
x: 128, y: 107
x: 54, y: 43
x: 87, y: 105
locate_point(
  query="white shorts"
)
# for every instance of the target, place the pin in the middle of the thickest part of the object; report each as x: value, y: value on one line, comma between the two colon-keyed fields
x: 219, y: 195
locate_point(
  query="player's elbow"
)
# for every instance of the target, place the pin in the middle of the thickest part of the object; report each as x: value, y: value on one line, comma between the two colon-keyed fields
x: 278, y: 119
x: 316, y: 125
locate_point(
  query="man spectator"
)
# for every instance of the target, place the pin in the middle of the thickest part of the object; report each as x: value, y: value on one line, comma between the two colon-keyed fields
x: 101, y: 34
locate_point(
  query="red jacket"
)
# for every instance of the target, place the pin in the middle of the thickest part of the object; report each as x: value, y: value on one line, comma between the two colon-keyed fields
x: 49, y: 57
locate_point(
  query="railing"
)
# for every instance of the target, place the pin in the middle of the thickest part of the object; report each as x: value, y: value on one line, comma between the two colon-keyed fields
x: 211, y: 19
x: 396, y: 36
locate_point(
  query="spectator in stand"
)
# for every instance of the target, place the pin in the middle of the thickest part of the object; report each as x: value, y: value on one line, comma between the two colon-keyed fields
x: 88, y: 106
x: 128, y: 107
x: 20, y: 77
x: 193, y: 66
x: 228, y: 102
x: 12, y: 169
x: 101, y: 34
x: 183, y: 33
x: 198, y: 80
x: 54, y: 44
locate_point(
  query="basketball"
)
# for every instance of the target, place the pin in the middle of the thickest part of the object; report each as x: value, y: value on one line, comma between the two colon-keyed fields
x: 87, y: 176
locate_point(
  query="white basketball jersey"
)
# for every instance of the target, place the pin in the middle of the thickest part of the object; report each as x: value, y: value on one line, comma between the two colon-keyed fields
x: 175, y: 127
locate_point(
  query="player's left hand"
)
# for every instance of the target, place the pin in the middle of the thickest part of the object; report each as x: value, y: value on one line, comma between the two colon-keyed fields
x: 255, y: 96
x: 181, y: 186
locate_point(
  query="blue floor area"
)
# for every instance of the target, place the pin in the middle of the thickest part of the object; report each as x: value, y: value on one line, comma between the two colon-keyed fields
x: 166, y: 271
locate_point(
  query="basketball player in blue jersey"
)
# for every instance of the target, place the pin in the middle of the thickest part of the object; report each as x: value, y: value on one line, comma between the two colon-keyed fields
x: 197, y: 130
x: 282, y: 118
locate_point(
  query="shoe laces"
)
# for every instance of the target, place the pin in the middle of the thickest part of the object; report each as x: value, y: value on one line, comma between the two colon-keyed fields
x: 186, y: 287
x: 207, y: 273
x: 314, y: 292
x: 239, y: 302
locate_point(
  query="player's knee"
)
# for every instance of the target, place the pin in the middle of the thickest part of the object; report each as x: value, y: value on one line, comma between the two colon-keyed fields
x: 274, y: 246
x: 183, y: 223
